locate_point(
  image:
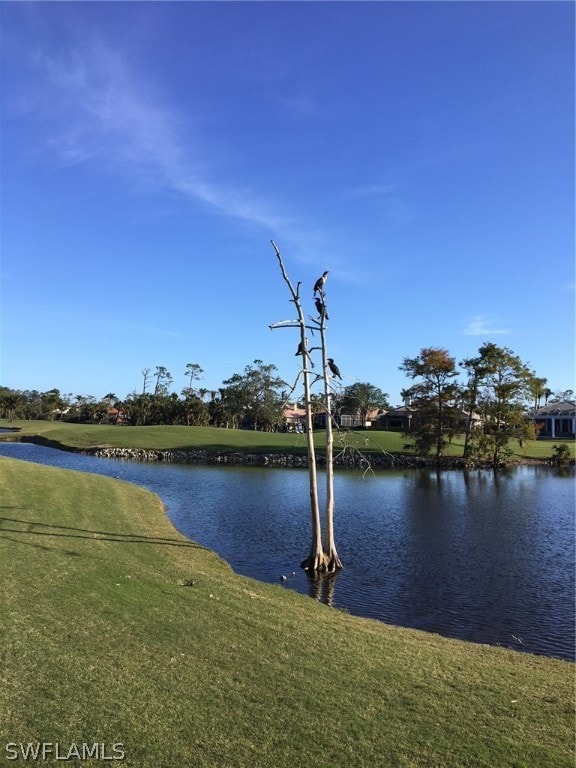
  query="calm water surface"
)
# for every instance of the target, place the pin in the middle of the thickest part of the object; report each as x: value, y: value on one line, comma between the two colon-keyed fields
x: 473, y: 556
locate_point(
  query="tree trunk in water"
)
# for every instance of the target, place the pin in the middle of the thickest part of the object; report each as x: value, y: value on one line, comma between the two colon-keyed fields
x: 332, y: 561
x: 315, y: 561
x: 471, y: 406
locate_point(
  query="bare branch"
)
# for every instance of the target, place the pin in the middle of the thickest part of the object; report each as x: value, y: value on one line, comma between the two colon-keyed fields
x: 290, y: 393
x: 284, y: 275
x: 285, y: 324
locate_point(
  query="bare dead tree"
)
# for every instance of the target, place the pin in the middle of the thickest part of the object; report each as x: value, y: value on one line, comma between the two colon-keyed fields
x: 146, y: 374
x: 332, y: 561
x: 321, y: 559
x: 315, y: 559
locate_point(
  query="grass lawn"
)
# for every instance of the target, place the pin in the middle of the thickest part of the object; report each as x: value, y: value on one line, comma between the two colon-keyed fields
x: 213, y: 438
x: 102, y: 642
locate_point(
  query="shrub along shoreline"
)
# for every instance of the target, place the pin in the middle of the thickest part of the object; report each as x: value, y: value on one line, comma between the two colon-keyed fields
x: 116, y: 629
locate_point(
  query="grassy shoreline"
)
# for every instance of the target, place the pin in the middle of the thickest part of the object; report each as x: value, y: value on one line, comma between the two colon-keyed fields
x: 102, y: 642
x: 371, y: 443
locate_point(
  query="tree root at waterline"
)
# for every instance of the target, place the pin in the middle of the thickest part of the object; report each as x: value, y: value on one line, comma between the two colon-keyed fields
x: 322, y: 562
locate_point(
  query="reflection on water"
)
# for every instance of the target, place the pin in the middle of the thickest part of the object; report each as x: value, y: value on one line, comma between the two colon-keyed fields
x: 467, y: 555
x: 323, y: 587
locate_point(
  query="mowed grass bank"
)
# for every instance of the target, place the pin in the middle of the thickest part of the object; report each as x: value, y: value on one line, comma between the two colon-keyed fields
x: 82, y: 436
x: 102, y: 642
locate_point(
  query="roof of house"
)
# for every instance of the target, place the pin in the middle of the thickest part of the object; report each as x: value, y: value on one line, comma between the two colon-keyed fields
x: 374, y: 413
x: 402, y: 410
x: 405, y: 411
x: 559, y: 408
x: 293, y: 413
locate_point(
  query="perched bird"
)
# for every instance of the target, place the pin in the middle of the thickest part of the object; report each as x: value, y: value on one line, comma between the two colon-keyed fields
x: 319, y: 284
x: 321, y: 308
x: 303, y: 351
x: 334, y: 368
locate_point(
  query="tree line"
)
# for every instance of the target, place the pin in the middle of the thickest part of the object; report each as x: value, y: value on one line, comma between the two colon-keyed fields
x: 250, y: 400
x: 484, y: 397
x: 254, y: 399
x: 488, y: 405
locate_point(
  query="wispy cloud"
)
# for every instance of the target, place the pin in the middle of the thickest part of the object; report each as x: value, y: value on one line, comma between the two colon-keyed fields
x: 108, y: 113
x: 96, y: 107
x: 480, y: 325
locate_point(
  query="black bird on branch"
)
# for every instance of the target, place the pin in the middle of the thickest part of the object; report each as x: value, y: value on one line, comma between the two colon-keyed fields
x: 334, y: 368
x: 319, y: 284
x: 321, y: 308
x: 302, y: 351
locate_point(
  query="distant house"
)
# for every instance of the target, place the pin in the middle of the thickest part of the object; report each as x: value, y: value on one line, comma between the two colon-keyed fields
x: 294, y: 419
x: 556, y: 420
x: 347, y: 420
x: 115, y: 416
x: 405, y: 417
x: 396, y: 419
x: 319, y: 420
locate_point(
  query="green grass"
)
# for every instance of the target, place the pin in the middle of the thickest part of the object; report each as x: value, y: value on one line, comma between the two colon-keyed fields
x: 101, y: 642
x: 159, y: 437
x: 211, y: 438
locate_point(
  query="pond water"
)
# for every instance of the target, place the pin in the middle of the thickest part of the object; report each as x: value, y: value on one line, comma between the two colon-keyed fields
x: 474, y: 556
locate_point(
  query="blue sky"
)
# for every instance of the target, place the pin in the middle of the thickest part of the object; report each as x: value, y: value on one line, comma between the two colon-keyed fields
x: 422, y: 152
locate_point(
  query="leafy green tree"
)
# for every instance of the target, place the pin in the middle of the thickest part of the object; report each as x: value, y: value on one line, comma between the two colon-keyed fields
x: 32, y: 404
x: 265, y: 389
x: 537, y: 388
x: 87, y: 409
x: 253, y: 399
x: 195, y: 410
x: 504, y: 383
x: 361, y: 398
x: 234, y: 401
x: 433, y: 397
x: 216, y: 412
x: 476, y: 368
x: 562, y: 454
x: 163, y: 380
x: 51, y: 403
x: 194, y: 373
x: 137, y: 408
x: 12, y: 403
